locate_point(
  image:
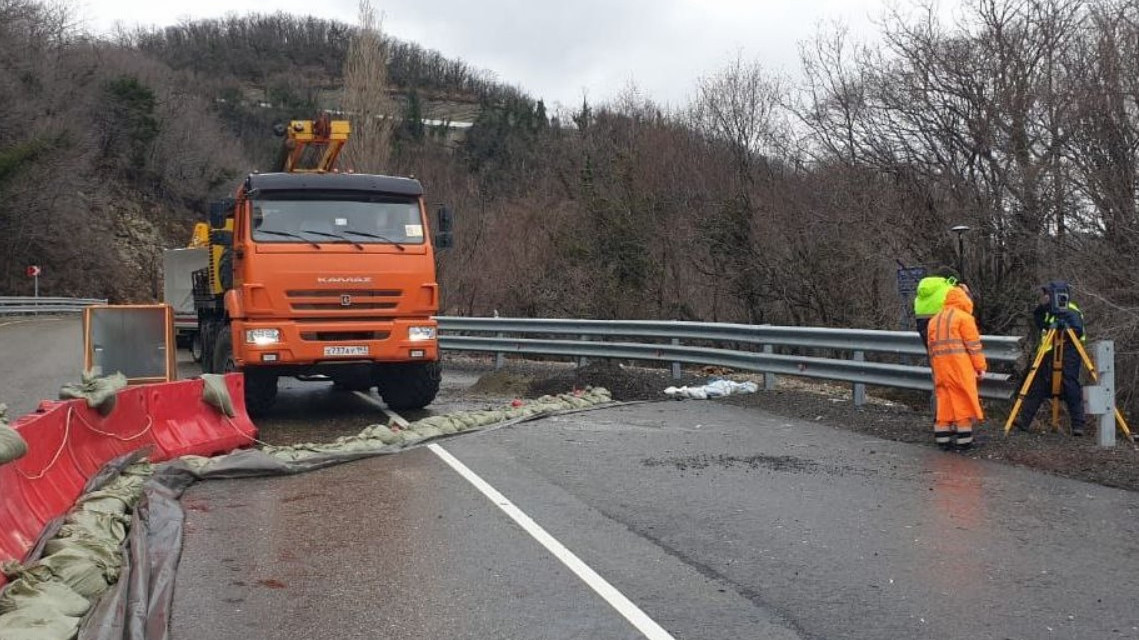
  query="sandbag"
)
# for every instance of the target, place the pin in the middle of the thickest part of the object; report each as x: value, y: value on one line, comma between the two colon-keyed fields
x: 216, y: 394
x: 38, y: 623
x: 86, y: 572
x: 52, y: 593
x: 94, y: 523
x: 12, y: 446
x: 100, y: 392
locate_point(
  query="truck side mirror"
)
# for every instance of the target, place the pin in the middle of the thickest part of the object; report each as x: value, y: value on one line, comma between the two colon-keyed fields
x: 446, y: 219
x: 219, y: 211
x: 444, y: 238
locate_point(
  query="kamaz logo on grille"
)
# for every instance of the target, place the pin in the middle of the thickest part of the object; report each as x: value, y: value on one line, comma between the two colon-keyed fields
x: 344, y: 280
x: 345, y: 301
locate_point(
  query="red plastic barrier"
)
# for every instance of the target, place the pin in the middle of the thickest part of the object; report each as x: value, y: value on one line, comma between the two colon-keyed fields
x: 185, y: 425
x: 98, y: 438
x: 68, y: 443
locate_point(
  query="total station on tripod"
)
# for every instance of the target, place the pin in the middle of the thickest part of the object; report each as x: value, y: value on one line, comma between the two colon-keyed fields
x: 1059, y: 295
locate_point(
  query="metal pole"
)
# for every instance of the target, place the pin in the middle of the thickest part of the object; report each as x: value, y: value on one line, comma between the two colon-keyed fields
x: 36, y: 279
x: 1104, y: 356
x: 582, y: 360
x: 859, y: 388
x: 960, y: 230
x: 676, y: 365
x: 768, y: 377
x: 961, y: 253
x: 499, y: 357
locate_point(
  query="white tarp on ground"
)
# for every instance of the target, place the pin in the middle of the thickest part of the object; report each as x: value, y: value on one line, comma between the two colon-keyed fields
x: 714, y: 389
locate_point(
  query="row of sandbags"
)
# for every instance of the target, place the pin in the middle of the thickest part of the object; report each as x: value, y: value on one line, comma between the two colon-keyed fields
x: 47, y: 599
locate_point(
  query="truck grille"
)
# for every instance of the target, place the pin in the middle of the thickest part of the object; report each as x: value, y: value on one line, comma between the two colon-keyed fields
x: 343, y: 299
x: 342, y: 336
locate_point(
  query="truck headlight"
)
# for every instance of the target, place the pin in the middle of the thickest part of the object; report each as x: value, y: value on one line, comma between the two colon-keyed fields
x: 420, y: 333
x: 262, y: 337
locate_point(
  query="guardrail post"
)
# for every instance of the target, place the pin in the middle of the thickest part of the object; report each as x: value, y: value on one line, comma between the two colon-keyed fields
x: 859, y: 388
x: 1100, y: 398
x: 582, y: 360
x: 499, y: 357
x: 768, y: 377
x: 676, y: 365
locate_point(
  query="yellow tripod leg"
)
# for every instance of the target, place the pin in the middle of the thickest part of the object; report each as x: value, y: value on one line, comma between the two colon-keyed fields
x: 1057, y: 380
x: 1120, y: 422
x: 1032, y: 371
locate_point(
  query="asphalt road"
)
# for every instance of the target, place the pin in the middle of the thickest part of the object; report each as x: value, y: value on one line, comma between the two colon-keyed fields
x: 37, y: 357
x: 712, y: 521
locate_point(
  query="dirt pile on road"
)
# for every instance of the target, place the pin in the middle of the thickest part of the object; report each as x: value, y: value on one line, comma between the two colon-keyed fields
x: 890, y: 415
x: 625, y: 383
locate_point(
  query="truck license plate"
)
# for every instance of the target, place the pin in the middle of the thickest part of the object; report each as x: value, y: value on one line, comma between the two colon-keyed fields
x: 346, y: 351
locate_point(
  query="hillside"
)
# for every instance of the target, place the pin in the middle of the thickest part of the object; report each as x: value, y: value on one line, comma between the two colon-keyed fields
x: 758, y: 202
x: 266, y: 68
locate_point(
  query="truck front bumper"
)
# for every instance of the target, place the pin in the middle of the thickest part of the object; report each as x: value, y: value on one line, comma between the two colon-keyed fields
x: 312, y: 342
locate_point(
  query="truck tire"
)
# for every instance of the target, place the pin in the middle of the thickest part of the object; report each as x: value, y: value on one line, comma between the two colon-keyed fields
x: 196, y: 346
x: 408, y: 385
x: 260, y: 387
x: 260, y: 392
x: 223, y: 361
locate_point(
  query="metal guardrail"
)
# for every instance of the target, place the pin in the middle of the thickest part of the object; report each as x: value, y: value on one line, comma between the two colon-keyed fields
x: 13, y: 305
x: 610, y: 339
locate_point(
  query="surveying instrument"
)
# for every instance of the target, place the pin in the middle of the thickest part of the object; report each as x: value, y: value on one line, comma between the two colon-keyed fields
x: 1058, y: 334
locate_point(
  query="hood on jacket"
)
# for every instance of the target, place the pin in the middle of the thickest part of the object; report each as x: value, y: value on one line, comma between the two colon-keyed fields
x: 932, y: 287
x: 958, y: 299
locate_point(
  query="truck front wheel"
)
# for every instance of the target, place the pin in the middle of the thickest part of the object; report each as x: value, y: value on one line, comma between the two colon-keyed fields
x: 408, y: 385
x: 260, y: 392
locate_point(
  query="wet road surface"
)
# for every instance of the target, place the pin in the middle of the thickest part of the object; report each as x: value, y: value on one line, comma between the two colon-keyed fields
x: 37, y: 357
x: 718, y: 521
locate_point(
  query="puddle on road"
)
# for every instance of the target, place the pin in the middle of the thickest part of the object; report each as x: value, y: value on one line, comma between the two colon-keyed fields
x: 704, y: 461
x: 785, y: 464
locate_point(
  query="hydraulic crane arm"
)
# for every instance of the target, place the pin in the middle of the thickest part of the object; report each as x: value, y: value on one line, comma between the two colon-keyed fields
x: 312, y: 146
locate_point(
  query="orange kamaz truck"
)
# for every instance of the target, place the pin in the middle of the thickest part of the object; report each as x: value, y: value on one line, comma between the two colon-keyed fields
x: 323, y: 275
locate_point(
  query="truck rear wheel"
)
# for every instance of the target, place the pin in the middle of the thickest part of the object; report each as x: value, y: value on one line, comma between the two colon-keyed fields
x: 196, y: 346
x: 408, y: 385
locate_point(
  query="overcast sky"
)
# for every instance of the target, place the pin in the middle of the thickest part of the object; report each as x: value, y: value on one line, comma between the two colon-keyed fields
x: 560, y: 51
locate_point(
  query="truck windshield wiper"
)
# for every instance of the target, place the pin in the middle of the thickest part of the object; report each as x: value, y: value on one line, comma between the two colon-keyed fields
x: 287, y: 234
x: 376, y: 236
x: 335, y: 235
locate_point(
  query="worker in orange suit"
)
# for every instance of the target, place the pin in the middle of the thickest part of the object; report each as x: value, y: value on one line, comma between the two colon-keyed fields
x: 958, y: 366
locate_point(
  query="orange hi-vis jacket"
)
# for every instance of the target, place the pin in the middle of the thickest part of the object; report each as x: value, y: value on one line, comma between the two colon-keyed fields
x: 956, y: 359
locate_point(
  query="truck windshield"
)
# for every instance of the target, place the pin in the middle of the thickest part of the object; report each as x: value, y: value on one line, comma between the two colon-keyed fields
x: 357, y: 219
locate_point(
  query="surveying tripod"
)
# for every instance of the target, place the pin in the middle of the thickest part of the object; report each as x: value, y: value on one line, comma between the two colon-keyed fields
x: 1060, y: 333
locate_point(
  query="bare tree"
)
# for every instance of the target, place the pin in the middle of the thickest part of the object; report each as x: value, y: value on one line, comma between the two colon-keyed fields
x: 366, y: 99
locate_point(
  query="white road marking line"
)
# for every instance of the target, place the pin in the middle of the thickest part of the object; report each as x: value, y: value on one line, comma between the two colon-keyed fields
x: 395, y: 417
x: 615, y: 598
